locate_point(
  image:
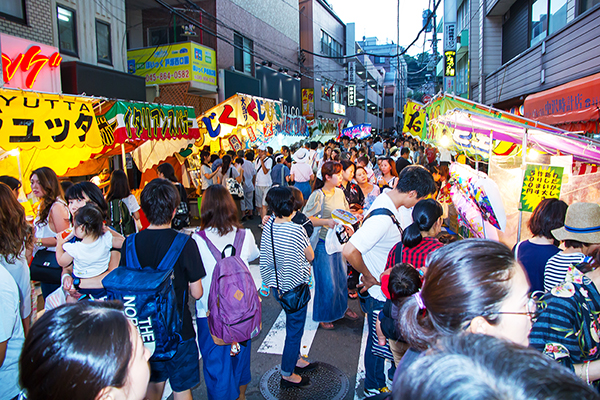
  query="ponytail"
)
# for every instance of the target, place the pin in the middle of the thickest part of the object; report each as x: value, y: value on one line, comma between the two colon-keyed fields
x: 415, y: 324
x: 425, y: 214
x: 411, y: 236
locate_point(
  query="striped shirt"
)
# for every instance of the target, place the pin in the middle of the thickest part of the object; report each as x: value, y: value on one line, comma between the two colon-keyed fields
x: 557, y: 266
x: 293, y: 268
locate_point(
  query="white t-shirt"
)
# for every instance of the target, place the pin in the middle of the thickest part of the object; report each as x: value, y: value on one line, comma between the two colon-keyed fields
x: 11, y: 331
x: 375, y: 239
x: 19, y: 270
x: 249, y: 253
x: 231, y: 173
x: 263, y: 179
x: 90, y: 259
x: 131, y: 203
x: 302, y: 172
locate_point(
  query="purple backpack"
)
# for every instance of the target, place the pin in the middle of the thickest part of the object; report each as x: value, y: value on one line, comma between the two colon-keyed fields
x: 234, y: 310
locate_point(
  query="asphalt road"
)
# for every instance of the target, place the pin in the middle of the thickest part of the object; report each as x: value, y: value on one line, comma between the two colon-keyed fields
x: 340, y: 347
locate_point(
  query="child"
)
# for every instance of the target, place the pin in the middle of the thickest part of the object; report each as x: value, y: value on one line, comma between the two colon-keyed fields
x: 90, y: 256
x: 401, y: 281
x: 297, y: 218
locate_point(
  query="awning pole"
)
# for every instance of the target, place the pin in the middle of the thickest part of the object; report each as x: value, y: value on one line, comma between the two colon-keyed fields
x: 123, y: 158
x: 523, y: 167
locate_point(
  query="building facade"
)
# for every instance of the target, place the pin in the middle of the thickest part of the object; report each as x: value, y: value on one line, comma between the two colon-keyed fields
x: 395, y: 83
x: 89, y: 35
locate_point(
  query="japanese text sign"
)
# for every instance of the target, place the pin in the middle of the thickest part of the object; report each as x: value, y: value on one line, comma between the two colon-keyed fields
x: 35, y: 120
x: 308, y: 102
x: 414, y: 119
x: 360, y: 131
x: 30, y: 65
x: 449, y: 63
x: 540, y: 182
x: 130, y: 122
x: 182, y: 62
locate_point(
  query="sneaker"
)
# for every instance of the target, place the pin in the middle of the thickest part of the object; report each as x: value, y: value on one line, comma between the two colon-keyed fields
x: 264, y: 290
x: 374, y: 392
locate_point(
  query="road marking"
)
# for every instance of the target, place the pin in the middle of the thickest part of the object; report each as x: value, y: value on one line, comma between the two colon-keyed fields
x: 360, y: 372
x: 275, y: 339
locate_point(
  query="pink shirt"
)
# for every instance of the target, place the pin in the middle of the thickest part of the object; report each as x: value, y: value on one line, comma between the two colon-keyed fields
x: 302, y: 172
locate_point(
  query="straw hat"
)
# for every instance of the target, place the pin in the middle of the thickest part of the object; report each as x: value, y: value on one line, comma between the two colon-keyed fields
x: 301, y: 155
x: 582, y: 223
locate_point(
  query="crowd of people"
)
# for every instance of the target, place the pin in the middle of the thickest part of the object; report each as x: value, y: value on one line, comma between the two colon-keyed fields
x: 354, y: 219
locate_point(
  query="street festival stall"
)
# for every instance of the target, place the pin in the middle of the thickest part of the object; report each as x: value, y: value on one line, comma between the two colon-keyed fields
x: 74, y: 135
x: 492, y: 205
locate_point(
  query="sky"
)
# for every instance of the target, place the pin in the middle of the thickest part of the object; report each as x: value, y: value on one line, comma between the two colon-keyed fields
x: 379, y: 18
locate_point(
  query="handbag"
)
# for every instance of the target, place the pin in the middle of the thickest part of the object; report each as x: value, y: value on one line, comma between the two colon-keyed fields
x: 45, y: 268
x: 235, y: 188
x: 295, y: 299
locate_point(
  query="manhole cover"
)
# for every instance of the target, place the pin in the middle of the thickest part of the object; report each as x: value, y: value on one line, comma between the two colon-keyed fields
x: 326, y: 382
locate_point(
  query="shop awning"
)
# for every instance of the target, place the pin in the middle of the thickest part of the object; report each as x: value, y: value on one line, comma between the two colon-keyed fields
x: 469, y: 127
x: 576, y: 101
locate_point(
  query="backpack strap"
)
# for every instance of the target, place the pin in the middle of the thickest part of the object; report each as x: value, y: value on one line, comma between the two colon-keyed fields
x: 130, y: 254
x: 213, y: 249
x: 385, y: 211
x: 174, y: 252
x: 238, y: 242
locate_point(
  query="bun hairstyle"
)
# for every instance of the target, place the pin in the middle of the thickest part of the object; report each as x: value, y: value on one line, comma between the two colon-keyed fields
x: 89, y: 217
x: 425, y: 214
x: 404, y: 281
x: 464, y: 280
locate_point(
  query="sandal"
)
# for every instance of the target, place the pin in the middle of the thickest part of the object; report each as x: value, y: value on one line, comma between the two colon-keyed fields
x: 353, y: 295
x: 264, y: 291
x: 326, y: 325
x: 351, y: 315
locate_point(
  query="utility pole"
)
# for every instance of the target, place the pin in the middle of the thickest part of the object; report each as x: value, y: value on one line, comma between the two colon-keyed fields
x: 366, y: 95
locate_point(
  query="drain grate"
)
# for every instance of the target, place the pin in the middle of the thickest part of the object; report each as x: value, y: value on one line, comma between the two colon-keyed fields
x: 326, y: 382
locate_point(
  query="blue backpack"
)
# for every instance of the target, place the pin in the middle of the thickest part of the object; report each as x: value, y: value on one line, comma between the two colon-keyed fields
x: 148, y: 297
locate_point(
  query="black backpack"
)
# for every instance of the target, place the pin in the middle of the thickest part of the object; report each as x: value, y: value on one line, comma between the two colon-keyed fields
x: 119, y: 217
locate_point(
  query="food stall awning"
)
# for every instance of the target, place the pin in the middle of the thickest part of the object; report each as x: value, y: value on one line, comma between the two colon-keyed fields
x: 243, y: 120
x: 576, y: 101
x: 467, y: 126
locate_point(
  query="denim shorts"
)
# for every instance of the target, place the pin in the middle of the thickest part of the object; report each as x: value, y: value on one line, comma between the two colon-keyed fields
x: 182, y: 371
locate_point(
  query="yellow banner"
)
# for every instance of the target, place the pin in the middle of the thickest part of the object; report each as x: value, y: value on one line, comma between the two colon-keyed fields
x: 30, y: 120
x: 414, y: 119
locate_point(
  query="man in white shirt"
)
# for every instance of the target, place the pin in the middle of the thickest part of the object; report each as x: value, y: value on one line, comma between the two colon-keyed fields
x: 368, y: 249
x: 262, y: 165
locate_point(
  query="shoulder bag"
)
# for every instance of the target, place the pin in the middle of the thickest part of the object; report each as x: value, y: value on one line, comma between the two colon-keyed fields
x: 293, y: 300
x: 45, y: 268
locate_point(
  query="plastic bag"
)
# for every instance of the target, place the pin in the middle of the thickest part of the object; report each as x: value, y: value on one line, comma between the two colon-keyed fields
x: 332, y: 243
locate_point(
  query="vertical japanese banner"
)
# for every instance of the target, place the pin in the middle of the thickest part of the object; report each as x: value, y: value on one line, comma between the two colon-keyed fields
x: 308, y: 103
x: 540, y: 182
x: 414, y: 119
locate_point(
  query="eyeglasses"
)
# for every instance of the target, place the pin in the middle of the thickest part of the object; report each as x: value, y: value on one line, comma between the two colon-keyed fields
x: 533, y: 310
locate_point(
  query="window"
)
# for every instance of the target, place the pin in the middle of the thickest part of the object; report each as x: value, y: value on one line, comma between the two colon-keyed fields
x: 462, y: 16
x: 558, y: 15
x: 331, y: 47
x: 539, y: 21
x: 162, y: 35
x: 103, y: 44
x: 242, y: 52
x: 585, y: 5
x: 67, y: 31
x: 13, y: 10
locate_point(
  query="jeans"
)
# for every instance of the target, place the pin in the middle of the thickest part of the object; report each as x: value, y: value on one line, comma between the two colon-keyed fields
x: 374, y: 366
x: 294, y: 329
x: 331, y: 285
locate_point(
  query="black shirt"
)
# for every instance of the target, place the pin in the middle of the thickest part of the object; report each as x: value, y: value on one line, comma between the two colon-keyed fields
x: 151, y: 246
x: 401, y: 163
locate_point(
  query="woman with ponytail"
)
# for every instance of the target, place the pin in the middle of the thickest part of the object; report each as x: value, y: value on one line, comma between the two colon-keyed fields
x: 419, y: 238
x: 472, y: 285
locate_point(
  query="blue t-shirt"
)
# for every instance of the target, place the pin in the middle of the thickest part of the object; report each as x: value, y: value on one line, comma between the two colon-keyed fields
x: 534, y: 258
x: 276, y: 172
